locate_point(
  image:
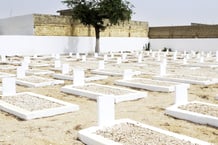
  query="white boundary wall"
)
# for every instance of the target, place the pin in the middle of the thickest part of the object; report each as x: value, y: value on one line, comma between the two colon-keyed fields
x: 29, y: 45
x: 207, y: 44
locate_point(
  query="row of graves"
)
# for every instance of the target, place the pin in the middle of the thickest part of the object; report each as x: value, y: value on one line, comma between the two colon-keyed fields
x: 164, y: 71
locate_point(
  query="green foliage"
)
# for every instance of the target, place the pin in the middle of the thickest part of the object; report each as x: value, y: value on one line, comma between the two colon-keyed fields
x: 100, y: 13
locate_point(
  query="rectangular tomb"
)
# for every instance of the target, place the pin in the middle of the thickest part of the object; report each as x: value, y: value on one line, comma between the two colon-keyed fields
x: 198, y: 112
x: 198, y: 80
x: 129, y: 132
x: 112, y: 72
x: 149, y: 84
x: 38, y: 72
x: 3, y: 75
x: 36, y: 81
x: 92, y: 90
x: 29, y: 105
x: 70, y: 77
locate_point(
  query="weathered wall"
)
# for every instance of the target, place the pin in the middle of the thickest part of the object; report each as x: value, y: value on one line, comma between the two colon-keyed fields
x: 45, y: 25
x: 196, y: 31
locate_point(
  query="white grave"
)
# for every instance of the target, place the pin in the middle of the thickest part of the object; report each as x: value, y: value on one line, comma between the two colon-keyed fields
x: 65, y: 68
x: 78, y: 77
x: 216, y: 55
x: 95, y: 55
x: 140, y: 58
x: 8, y: 86
x: 101, y: 64
x: 77, y: 56
x: 25, y: 65
x: 3, y: 58
x: 119, y: 60
x: 106, y: 110
x: 105, y: 57
x: 162, y: 69
x: 127, y: 74
x: 57, y: 64
x: 181, y: 94
x: 20, y: 72
x: 83, y: 58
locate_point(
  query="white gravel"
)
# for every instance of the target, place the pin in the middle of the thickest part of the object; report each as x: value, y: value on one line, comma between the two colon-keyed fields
x: 29, y: 102
x: 201, y: 108
x: 103, y: 89
x: 130, y: 134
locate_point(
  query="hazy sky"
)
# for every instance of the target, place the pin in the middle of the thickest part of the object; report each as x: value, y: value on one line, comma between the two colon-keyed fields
x: 156, y: 12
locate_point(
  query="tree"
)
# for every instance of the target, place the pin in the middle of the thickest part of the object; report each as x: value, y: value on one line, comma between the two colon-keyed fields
x: 100, y: 14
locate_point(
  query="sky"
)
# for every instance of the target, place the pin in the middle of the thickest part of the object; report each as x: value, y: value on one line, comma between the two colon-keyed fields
x: 155, y: 12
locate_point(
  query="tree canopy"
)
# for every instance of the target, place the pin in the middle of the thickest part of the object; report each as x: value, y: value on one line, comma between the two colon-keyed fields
x: 100, y: 13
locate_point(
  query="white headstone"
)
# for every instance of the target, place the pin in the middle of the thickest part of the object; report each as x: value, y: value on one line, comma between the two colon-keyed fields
x: 95, y: 55
x: 78, y: 77
x: 3, y: 58
x: 181, y: 94
x: 65, y: 68
x: 124, y: 55
x: 140, y: 58
x: 105, y: 57
x: 77, y: 56
x: 101, y: 64
x: 8, y: 86
x: 57, y: 64
x: 83, y: 58
x: 216, y: 55
x: 184, y: 60
x: 162, y: 69
x: 57, y: 56
x: 35, y: 56
x: 20, y: 72
x: 70, y: 54
x: 127, y: 74
x: 175, y: 55
x: 106, y: 111
x: 153, y: 54
x: 165, y: 61
x: 112, y: 55
x: 26, y: 59
x: 158, y: 57
x: 25, y: 65
x: 201, y: 59
x: 119, y: 60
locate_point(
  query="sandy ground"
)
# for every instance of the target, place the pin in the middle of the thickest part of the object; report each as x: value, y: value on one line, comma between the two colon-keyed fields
x: 63, y: 129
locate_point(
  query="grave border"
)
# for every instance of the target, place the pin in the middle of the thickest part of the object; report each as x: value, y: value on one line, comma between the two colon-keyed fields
x: 183, y: 80
x: 89, y: 137
x: 42, y: 84
x: 92, y: 95
x: 192, y: 116
x: 150, y: 87
x: 28, y: 115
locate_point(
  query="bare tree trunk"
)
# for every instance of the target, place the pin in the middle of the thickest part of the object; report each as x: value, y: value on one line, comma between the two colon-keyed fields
x: 97, y: 42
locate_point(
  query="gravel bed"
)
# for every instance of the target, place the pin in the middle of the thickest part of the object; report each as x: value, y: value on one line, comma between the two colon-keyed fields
x: 201, y: 108
x: 29, y: 102
x: 103, y: 89
x: 131, y: 134
x: 151, y: 82
x: 35, y: 79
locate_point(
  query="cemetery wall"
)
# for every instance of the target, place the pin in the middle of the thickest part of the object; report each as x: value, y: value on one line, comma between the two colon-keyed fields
x: 192, y: 31
x: 200, y: 44
x: 53, y: 25
x: 30, y: 45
